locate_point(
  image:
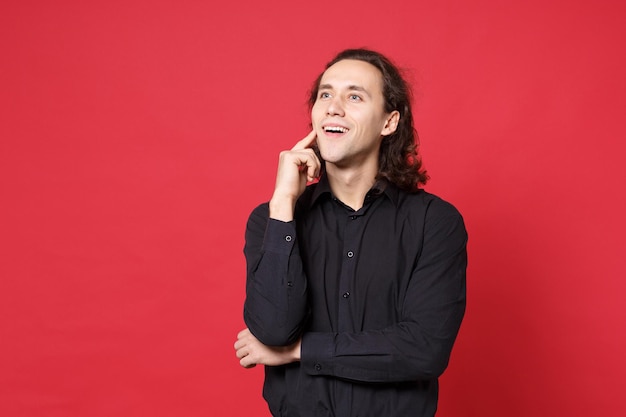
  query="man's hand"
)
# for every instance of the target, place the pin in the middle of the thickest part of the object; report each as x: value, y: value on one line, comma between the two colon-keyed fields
x: 251, y: 352
x: 295, y: 168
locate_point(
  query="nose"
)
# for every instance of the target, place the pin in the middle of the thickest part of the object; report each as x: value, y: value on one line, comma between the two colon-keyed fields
x: 335, y: 107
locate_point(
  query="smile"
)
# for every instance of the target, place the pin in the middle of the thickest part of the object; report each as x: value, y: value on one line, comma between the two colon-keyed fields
x: 335, y: 129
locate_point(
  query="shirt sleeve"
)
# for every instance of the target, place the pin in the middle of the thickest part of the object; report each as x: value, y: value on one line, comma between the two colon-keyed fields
x: 276, y: 291
x: 418, y: 346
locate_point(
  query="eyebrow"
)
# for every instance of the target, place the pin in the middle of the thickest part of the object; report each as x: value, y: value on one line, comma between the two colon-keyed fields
x: 350, y: 88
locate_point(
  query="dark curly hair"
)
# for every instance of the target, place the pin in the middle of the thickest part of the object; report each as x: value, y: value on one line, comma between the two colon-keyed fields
x: 399, y: 161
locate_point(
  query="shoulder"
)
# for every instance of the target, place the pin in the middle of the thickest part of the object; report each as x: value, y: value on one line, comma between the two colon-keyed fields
x: 305, y: 202
x: 423, y: 202
x: 424, y: 212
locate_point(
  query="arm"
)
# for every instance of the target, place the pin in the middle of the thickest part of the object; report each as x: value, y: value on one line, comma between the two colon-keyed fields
x: 419, y: 345
x: 276, y: 297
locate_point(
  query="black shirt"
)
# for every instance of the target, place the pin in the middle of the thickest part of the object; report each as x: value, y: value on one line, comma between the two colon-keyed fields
x: 377, y: 296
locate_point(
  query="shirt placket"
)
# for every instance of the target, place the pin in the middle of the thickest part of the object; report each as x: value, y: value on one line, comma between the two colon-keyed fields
x: 348, y: 267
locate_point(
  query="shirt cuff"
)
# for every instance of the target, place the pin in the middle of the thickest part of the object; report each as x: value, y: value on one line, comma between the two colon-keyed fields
x: 280, y: 236
x: 316, y: 353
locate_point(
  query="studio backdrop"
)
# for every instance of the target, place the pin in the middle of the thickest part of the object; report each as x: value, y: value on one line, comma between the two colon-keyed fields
x: 136, y: 137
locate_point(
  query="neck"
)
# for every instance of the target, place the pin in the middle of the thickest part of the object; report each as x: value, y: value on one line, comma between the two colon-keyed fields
x: 351, y: 186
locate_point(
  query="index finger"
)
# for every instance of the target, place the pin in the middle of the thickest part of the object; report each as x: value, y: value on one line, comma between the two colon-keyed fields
x: 306, y: 142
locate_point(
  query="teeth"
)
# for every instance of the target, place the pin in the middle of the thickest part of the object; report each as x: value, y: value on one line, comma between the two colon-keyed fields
x: 336, y: 129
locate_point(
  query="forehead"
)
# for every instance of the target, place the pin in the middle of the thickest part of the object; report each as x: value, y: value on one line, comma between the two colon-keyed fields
x: 351, y: 72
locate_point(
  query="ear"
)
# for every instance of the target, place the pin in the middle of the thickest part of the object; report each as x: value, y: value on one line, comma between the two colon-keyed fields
x: 391, y: 124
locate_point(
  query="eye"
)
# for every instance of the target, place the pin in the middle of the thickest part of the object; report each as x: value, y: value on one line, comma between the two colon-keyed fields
x: 324, y: 94
x: 354, y: 97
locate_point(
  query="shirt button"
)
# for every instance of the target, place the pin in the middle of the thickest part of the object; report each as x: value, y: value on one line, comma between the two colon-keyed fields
x: 288, y: 238
x: 353, y: 217
x: 289, y: 284
x: 318, y: 367
x: 350, y: 254
x: 346, y: 294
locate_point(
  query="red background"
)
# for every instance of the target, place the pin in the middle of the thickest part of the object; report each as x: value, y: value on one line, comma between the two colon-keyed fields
x: 136, y: 136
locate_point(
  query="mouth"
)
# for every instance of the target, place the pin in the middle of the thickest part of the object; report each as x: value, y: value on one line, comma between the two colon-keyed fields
x: 335, y: 130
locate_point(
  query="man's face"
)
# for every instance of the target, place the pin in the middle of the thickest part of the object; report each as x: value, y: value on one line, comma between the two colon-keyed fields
x: 348, y: 115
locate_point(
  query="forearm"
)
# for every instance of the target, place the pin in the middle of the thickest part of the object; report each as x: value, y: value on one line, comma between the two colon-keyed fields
x: 276, y: 289
x: 403, y: 352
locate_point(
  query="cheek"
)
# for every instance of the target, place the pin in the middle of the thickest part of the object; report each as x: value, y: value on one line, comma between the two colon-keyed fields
x: 376, y: 122
x: 317, y: 115
x: 316, y: 110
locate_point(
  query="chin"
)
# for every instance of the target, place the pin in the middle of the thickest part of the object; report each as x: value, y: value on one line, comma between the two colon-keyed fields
x: 330, y: 159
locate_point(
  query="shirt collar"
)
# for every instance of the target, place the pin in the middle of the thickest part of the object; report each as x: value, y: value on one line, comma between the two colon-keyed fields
x: 381, y: 186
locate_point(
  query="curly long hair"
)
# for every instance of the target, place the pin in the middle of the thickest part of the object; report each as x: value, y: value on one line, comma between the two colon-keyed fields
x: 399, y: 161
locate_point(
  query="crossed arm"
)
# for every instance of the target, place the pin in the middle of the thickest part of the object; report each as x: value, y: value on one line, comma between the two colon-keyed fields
x: 417, y: 347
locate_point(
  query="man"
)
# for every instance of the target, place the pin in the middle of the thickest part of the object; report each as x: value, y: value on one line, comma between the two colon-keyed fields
x: 356, y: 283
